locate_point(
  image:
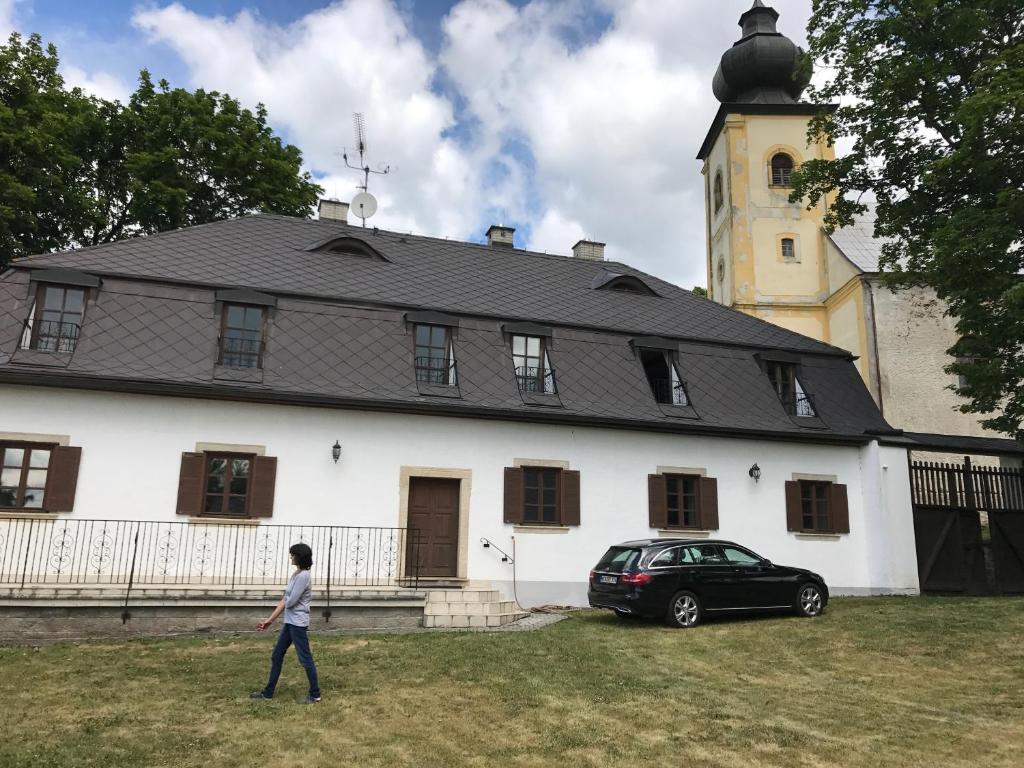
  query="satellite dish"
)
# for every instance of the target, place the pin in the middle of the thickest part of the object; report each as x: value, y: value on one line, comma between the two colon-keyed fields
x: 364, y: 205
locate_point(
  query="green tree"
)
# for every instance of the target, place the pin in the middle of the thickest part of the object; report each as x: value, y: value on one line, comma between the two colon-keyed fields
x: 78, y: 170
x: 46, y: 137
x: 698, y: 290
x: 933, y: 101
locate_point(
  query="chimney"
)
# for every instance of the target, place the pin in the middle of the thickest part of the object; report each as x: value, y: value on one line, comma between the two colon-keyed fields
x: 333, y: 210
x: 500, y: 236
x: 588, y: 249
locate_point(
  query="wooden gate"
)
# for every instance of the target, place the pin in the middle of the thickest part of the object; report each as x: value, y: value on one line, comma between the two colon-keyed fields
x: 969, y: 527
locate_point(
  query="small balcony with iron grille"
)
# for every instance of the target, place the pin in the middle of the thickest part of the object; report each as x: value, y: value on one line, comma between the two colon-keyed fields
x: 536, y: 380
x: 50, y: 336
x: 435, y: 371
x: 667, y: 393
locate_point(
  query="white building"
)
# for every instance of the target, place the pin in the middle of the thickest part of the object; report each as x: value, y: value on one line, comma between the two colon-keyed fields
x: 549, y: 405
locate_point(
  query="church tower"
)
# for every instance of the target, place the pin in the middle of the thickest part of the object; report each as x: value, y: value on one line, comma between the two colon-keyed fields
x: 766, y: 256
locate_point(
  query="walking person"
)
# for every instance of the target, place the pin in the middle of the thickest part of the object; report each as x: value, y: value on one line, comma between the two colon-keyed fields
x: 295, y: 607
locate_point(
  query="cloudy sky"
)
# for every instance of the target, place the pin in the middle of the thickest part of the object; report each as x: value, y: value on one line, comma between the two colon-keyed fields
x: 562, y: 118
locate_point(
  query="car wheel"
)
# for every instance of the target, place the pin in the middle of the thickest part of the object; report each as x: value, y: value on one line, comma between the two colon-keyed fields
x: 684, y: 610
x: 809, y: 601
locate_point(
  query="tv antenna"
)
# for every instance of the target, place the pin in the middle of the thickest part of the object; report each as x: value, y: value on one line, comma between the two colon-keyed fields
x: 364, y: 205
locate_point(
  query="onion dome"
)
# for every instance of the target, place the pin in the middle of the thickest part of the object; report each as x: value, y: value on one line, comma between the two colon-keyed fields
x: 763, y: 66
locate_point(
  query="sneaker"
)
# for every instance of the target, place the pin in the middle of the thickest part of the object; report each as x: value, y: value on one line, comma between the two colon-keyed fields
x: 311, y: 700
x: 259, y: 695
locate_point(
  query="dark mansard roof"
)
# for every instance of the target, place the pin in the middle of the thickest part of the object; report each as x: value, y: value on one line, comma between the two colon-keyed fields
x: 338, y: 330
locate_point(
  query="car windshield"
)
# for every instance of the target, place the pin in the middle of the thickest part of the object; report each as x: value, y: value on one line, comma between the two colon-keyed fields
x: 618, y: 559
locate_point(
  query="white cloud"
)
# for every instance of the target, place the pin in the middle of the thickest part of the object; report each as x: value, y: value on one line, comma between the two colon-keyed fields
x: 7, y: 24
x: 353, y: 56
x: 613, y: 125
x: 594, y: 138
x: 101, y: 84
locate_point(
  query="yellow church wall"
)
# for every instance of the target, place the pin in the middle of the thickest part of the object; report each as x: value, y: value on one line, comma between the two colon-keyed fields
x: 809, y: 322
x: 774, y: 277
x: 719, y: 225
x: 847, y: 326
x: 840, y: 270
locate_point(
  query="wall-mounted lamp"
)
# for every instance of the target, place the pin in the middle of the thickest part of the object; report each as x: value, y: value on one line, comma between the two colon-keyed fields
x: 755, y: 472
x: 336, y: 451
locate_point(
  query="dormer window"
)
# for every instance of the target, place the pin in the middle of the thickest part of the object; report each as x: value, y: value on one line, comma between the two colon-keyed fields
x: 667, y: 386
x: 241, y: 338
x: 616, y: 281
x: 533, y: 368
x: 781, y: 170
x: 434, y: 355
x: 787, y: 386
x: 348, y: 246
x: 56, y: 319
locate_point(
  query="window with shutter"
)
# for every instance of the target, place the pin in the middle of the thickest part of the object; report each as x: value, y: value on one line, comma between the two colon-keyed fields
x: 226, y: 485
x: 542, y: 496
x: 683, y: 501
x: 817, y: 506
x: 38, y: 476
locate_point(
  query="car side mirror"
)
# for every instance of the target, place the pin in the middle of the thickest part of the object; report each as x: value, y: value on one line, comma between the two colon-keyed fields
x: 767, y: 564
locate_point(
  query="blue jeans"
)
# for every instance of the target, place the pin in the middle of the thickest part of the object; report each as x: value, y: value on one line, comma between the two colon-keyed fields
x: 297, y: 635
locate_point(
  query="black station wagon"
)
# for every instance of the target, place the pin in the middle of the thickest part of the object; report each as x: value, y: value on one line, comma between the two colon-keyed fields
x: 682, y: 579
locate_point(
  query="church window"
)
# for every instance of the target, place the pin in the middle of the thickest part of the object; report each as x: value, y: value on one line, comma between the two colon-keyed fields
x: 782, y: 170
x: 718, y: 194
x: 788, y: 249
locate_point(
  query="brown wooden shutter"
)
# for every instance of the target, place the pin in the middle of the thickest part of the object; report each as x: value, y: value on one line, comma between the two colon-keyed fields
x: 657, y: 512
x: 570, y: 482
x: 513, y: 495
x: 261, y: 486
x: 62, y: 479
x: 708, y: 504
x: 840, y: 508
x: 794, y: 514
x: 190, y: 483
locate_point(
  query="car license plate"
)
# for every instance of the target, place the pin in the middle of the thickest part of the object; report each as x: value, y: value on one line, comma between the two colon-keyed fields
x: 608, y: 579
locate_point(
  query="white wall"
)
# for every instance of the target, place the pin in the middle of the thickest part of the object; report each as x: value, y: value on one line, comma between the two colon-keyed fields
x: 132, y: 444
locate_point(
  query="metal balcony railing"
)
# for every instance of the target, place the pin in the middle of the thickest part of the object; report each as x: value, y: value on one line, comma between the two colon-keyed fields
x: 36, y: 553
x: 800, y: 404
x: 50, y: 336
x: 435, y: 370
x: 240, y: 353
x: 536, y: 380
x: 667, y: 393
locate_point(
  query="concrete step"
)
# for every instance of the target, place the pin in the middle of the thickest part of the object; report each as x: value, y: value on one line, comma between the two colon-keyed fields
x: 463, y: 596
x: 469, y: 609
x: 479, y: 621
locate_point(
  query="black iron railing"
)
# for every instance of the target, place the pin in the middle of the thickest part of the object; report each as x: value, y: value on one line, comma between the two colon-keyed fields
x: 536, y: 380
x: 799, y: 404
x: 50, y: 336
x: 240, y: 353
x: 144, y: 553
x: 668, y: 393
x: 435, y: 370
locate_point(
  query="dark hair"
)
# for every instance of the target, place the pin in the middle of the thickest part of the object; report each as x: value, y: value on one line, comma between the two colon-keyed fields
x: 303, y: 555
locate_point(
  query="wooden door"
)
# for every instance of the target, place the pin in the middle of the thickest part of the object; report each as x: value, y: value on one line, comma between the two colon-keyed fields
x: 433, y: 527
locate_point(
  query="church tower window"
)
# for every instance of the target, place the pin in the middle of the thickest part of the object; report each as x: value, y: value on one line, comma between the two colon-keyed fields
x: 788, y: 249
x: 718, y: 194
x: 782, y: 170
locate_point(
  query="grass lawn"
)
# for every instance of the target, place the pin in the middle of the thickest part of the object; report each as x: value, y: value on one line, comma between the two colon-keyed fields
x: 874, y: 682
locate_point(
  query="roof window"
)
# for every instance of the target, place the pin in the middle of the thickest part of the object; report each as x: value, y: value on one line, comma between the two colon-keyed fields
x: 662, y: 374
x: 615, y: 281
x: 348, y: 246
